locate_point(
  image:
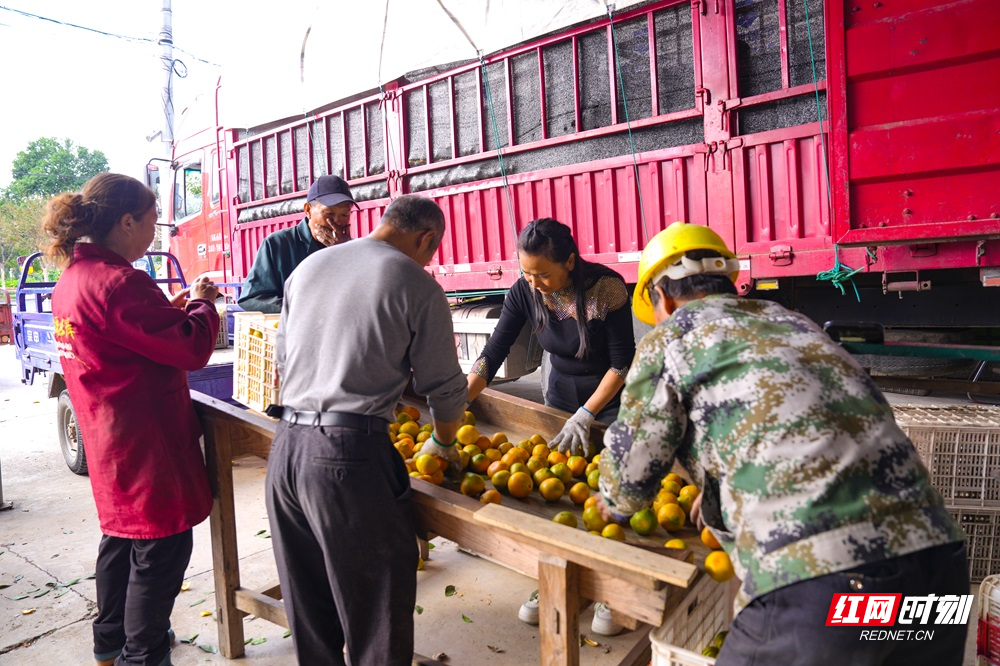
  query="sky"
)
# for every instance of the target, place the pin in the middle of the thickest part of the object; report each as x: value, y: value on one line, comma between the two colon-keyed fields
x: 105, y: 92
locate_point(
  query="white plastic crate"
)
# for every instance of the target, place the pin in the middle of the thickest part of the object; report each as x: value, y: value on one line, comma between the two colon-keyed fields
x: 982, y: 531
x: 988, y: 630
x: 222, y: 340
x: 707, y: 609
x: 960, y: 445
x: 255, y: 373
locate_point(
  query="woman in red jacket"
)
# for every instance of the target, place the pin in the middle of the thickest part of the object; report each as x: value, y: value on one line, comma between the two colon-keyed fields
x: 126, y: 349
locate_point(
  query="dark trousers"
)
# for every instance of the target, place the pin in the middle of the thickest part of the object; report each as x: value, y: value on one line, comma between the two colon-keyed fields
x: 338, y: 501
x: 788, y: 626
x: 137, y: 582
x: 569, y: 392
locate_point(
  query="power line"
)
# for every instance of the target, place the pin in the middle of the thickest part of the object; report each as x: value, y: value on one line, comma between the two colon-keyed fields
x: 127, y: 38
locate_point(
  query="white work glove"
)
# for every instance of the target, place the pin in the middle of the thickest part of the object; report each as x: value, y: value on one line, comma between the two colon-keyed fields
x: 449, y: 453
x: 574, y: 438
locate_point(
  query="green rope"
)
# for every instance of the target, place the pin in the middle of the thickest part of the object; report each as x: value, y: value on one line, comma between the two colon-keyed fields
x: 840, y: 273
x: 496, y: 139
x: 628, y: 122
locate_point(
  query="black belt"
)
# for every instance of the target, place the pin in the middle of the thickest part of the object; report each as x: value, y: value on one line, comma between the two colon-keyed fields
x: 337, y: 419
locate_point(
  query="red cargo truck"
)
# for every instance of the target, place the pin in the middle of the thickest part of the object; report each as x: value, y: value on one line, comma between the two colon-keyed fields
x: 866, y: 138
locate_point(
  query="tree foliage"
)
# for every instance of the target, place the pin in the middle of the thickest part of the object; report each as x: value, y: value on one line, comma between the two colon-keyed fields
x: 20, y: 231
x: 47, y: 167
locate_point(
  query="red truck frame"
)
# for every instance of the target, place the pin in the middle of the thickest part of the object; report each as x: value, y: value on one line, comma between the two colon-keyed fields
x: 736, y: 109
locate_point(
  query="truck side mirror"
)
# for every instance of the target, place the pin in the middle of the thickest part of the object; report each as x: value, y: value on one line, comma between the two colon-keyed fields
x: 153, y: 177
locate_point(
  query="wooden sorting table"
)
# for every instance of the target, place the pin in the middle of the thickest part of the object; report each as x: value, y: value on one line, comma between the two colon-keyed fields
x: 570, y: 565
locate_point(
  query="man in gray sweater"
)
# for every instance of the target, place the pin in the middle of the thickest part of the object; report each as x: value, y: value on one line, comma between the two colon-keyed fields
x: 356, y: 320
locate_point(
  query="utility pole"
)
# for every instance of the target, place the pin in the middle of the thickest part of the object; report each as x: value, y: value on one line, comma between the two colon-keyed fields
x: 166, y: 42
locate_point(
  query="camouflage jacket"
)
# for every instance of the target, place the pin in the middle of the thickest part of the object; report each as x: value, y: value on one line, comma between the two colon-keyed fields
x: 803, y: 468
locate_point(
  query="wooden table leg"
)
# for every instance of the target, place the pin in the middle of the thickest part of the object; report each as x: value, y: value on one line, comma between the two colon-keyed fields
x: 558, y: 611
x: 222, y: 524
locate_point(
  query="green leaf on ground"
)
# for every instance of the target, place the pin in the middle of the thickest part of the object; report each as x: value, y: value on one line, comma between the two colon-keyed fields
x: 430, y: 546
x: 4, y: 586
x: 466, y: 619
x: 189, y: 640
x: 42, y: 593
x: 449, y: 591
x: 198, y: 602
x: 287, y: 634
x: 247, y: 641
x: 258, y: 641
x: 418, y: 609
x: 208, y: 648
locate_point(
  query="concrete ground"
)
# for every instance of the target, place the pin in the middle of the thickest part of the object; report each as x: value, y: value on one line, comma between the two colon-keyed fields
x: 48, y: 544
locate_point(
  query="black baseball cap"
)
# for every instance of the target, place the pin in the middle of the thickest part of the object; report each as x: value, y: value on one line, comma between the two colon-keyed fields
x: 330, y: 191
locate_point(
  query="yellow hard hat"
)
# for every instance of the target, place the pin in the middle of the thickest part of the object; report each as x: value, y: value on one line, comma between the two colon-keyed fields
x: 667, y: 248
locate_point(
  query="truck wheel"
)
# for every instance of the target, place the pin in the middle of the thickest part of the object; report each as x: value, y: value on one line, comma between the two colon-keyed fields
x: 70, y: 437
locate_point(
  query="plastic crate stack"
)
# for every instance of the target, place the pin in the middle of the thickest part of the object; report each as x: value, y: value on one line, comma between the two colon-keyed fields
x: 706, y: 610
x: 960, y: 445
x: 255, y: 374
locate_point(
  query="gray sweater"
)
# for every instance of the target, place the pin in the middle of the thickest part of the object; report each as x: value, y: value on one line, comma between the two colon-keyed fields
x: 357, y: 318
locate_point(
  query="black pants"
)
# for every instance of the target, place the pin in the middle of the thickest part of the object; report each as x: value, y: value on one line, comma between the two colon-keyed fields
x: 137, y: 582
x: 788, y: 626
x: 338, y: 501
x: 569, y: 392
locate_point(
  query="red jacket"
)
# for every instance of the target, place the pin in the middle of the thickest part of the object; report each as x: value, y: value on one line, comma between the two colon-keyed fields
x: 125, y: 355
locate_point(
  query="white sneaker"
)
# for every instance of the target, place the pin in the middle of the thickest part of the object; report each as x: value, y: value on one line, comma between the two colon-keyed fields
x: 528, y: 613
x: 602, y: 623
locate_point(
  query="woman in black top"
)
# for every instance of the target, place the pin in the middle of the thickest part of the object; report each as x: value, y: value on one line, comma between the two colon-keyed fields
x: 590, y: 354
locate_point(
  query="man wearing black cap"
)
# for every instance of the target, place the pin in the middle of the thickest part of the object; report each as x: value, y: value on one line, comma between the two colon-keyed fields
x: 327, y: 222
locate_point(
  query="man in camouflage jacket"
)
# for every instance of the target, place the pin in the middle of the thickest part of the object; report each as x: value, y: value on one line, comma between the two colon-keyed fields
x: 808, y: 483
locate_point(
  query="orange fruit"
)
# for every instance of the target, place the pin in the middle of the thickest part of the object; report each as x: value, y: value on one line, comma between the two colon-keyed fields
x: 425, y: 477
x: 394, y: 428
x: 565, y: 518
x: 590, y: 468
x: 577, y: 465
x: 709, y: 539
x: 643, y: 521
x: 534, y: 464
x: 688, y: 491
x: 509, y: 459
x: 442, y: 463
x: 437, y: 478
x: 493, y: 454
x: 403, y: 417
x: 405, y: 448
x: 594, y: 479
x: 591, y: 501
x: 499, y: 480
x: 541, y: 475
x: 596, y: 459
x: 521, y: 454
x: 423, y: 436
x: 672, y: 478
x: 562, y: 472
x: 520, y: 484
x: 592, y: 519
x: 463, y: 460
x: 411, y: 466
x: 551, y: 489
x: 472, y: 485
x: 613, y: 531
x: 490, y: 497
x: 719, y: 566
x: 404, y: 435
x: 679, y: 544
x: 411, y: 411
x: 540, y: 451
x: 670, y: 517
x: 557, y: 457
x: 472, y: 449
x: 468, y: 434
x: 499, y: 438
x: 484, y: 443
x: 504, y: 447
x: 579, y: 492
x: 496, y: 467
x: 427, y: 464
x: 671, y: 487
x: 537, y: 439
x: 686, y: 504
x: 519, y: 467
x: 470, y: 418
x: 479, y: 463
x: 663, y: 497
x: 427, y: 427
x: 409, y: 428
